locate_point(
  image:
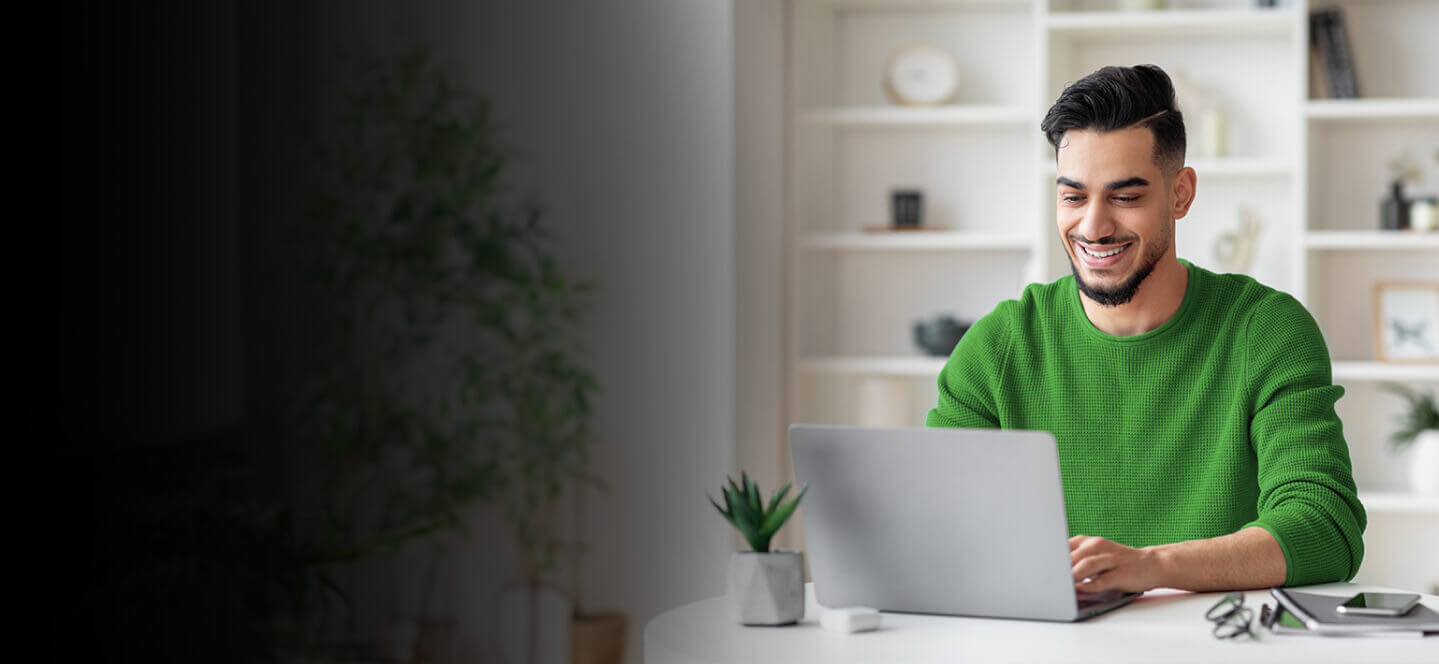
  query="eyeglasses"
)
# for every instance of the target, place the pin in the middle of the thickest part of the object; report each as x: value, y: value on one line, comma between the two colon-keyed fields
x: 1230, y: 617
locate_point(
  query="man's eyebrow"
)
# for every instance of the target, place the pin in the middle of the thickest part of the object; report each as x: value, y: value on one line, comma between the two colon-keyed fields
x: 1117, y: 184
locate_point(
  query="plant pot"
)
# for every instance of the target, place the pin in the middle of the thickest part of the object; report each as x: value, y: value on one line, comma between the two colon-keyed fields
x: 598, y: 638
x: 1424, y: 464
x: 767, y: 588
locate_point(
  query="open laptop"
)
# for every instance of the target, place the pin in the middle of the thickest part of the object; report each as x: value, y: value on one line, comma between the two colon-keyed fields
x: 951, y: 521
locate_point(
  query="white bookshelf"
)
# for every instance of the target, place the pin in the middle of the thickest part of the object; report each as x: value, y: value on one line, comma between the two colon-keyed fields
x: 1360, y: 240
x: 1310, y: 170
x: 917, y: 240
x: 1187, y: 23
x: 907, y: 366
x: 891, y: 116
x: 1224, y: 167
x: 1398, y: 372
x: 1399, y: 503
x: 1338, y: 110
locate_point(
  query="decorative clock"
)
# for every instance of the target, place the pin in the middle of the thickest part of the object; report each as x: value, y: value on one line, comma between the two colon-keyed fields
x: 921, y: 75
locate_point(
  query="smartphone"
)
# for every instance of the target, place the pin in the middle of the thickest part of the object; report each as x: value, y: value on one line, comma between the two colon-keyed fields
x: 1378, y: 604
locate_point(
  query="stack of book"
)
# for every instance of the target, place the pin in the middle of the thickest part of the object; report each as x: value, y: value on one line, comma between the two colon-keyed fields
x: 1329, y: 44
x: 1308, y: 613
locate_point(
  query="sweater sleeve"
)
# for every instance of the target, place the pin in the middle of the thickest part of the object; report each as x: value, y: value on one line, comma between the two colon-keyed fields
x: 969, y: 382
x: 1307, y: 496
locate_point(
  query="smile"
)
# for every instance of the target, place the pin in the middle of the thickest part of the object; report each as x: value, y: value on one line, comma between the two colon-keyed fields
x: 1102, y: 257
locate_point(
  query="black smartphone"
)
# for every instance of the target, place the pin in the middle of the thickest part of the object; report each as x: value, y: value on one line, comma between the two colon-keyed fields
x: 1378, y: 604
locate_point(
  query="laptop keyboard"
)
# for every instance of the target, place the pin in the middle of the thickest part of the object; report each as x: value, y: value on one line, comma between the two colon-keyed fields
x: 1090, y: 599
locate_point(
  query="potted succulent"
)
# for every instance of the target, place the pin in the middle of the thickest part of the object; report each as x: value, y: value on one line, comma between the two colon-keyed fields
x: 765, y: 587
x: 1419, y: 429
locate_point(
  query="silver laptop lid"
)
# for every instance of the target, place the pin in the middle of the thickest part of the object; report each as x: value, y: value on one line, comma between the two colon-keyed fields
x: 950, y: 521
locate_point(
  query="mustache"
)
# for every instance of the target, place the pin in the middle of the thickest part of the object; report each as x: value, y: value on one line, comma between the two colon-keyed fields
x: 1108, y: 239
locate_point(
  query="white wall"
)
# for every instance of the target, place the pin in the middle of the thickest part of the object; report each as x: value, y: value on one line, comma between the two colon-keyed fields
x: 759, y: 246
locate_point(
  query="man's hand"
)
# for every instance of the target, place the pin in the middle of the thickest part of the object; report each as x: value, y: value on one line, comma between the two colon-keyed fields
x: 1101, y: 565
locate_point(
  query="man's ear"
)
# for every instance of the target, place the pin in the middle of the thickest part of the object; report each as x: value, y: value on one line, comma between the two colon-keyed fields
x: 1185, y: 185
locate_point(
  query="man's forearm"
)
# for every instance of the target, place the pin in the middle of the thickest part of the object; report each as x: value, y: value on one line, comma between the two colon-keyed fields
x: 1248, y: 559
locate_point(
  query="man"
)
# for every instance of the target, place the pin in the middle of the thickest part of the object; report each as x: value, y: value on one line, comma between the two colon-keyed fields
x: 1194, y: 411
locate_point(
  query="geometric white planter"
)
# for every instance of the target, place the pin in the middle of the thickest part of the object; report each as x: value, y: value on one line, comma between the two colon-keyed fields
x: 1424, y: 464
x: 767, y: 588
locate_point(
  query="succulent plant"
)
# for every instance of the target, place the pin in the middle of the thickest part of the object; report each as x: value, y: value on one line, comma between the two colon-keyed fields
x: 1422, y: 415
x: 755, y: 519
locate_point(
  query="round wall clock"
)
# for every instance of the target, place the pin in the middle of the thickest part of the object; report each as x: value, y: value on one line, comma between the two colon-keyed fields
x: 921, y: 76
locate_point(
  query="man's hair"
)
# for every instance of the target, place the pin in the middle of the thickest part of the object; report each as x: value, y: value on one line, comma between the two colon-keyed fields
x: 1118, y: 98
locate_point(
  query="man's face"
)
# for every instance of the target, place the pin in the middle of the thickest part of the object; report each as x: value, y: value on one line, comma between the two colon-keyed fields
x: 1115, y: 211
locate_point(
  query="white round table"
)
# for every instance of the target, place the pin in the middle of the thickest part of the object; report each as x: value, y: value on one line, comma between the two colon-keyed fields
x: 1163, y: 625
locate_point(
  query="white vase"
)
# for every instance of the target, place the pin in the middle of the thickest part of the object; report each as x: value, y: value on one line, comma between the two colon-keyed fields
x: 1424, y: 464
x: 767, y: 588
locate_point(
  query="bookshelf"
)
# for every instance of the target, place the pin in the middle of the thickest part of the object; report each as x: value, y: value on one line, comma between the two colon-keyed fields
x: 1310, y: 170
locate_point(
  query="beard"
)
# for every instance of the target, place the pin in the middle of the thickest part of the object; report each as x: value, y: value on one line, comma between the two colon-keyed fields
x: 1122, y: 292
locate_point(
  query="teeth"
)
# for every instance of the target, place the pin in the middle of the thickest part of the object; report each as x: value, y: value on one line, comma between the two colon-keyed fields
x: 1101, y: 254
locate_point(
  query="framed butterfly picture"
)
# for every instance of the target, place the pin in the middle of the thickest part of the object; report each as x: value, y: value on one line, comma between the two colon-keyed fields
x: 1406, y: 321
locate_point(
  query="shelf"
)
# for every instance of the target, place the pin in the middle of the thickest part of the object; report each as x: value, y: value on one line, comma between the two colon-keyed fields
x: 1371, y: 240
x: 1385, y: 371
x: 1173, y: 22
x: 927, y: 116
x: 914, y: 365
x: 1372, y: 109
x: 1226, y: 167
x: 1406, y: 503
x: 910, y: 366
x: 917, y: 4
x: 916, y: 241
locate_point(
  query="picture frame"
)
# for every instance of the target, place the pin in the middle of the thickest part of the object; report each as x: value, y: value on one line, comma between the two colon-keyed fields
x: 1406, y: 321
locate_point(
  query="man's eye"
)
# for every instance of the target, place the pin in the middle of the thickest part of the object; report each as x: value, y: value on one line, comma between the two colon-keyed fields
x: 1126, y: 199
x: 1071, y: 199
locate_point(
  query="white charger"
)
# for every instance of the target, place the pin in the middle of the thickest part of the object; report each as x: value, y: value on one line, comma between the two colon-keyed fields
x: 850, y: 619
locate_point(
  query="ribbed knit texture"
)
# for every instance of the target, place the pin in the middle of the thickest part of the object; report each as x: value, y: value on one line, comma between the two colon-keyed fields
x: 1220, y: 419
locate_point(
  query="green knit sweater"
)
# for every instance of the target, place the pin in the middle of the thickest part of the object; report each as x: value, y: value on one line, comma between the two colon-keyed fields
x: 1220, y: 419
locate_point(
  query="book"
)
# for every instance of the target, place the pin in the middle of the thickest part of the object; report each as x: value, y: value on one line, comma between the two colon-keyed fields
x: 1318, y: 72
x: 1282, y: 622
x: 1327, y: 34
x: 1318, y: 614
x: 1344, y: 77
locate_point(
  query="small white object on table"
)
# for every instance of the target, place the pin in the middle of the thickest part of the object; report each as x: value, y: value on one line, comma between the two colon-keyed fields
x: 850, y: 619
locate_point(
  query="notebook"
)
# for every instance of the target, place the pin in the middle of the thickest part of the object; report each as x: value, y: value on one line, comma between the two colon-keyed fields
x: 1318, y: 614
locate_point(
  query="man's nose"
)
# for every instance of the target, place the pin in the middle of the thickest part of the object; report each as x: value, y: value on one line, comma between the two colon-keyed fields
x: 1097, y: 223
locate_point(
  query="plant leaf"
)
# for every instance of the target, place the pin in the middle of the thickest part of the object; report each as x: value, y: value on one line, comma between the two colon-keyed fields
x: 774, y: 521
x: 723, y: 512
x: 777, y: 496
x: 740, y: 508
x: 751, y: 490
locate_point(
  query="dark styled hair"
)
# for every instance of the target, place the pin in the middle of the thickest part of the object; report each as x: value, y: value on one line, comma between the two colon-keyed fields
x: 1118, y: 98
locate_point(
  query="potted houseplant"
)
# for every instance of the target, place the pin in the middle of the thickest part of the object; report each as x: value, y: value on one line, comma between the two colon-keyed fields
x: 765, y: 587
x: 449, y: 374
x: 1419, y: 429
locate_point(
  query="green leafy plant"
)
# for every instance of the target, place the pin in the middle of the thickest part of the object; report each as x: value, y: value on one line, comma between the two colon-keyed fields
x: 445, y: 354
x: 1423, y: 414
x: 756, y: 520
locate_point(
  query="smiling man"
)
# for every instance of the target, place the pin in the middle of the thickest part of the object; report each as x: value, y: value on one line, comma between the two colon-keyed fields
x: 1194, y: 411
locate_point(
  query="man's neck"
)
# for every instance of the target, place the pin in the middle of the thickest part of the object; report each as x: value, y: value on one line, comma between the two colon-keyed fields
x: 1156, y: 301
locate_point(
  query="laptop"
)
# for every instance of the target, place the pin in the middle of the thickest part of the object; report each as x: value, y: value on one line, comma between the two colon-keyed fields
x: 966, y: 522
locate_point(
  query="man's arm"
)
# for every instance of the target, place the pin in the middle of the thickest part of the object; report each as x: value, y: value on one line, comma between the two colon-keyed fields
x: 970, y: 382
x: 1244, y: 560
x: 1310, y: 523
x: 1307, y: 498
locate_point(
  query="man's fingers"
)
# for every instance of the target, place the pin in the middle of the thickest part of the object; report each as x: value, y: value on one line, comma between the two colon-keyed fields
x: 1098, y: 585
x: 1093, y: 566
x: 1078, y: 540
